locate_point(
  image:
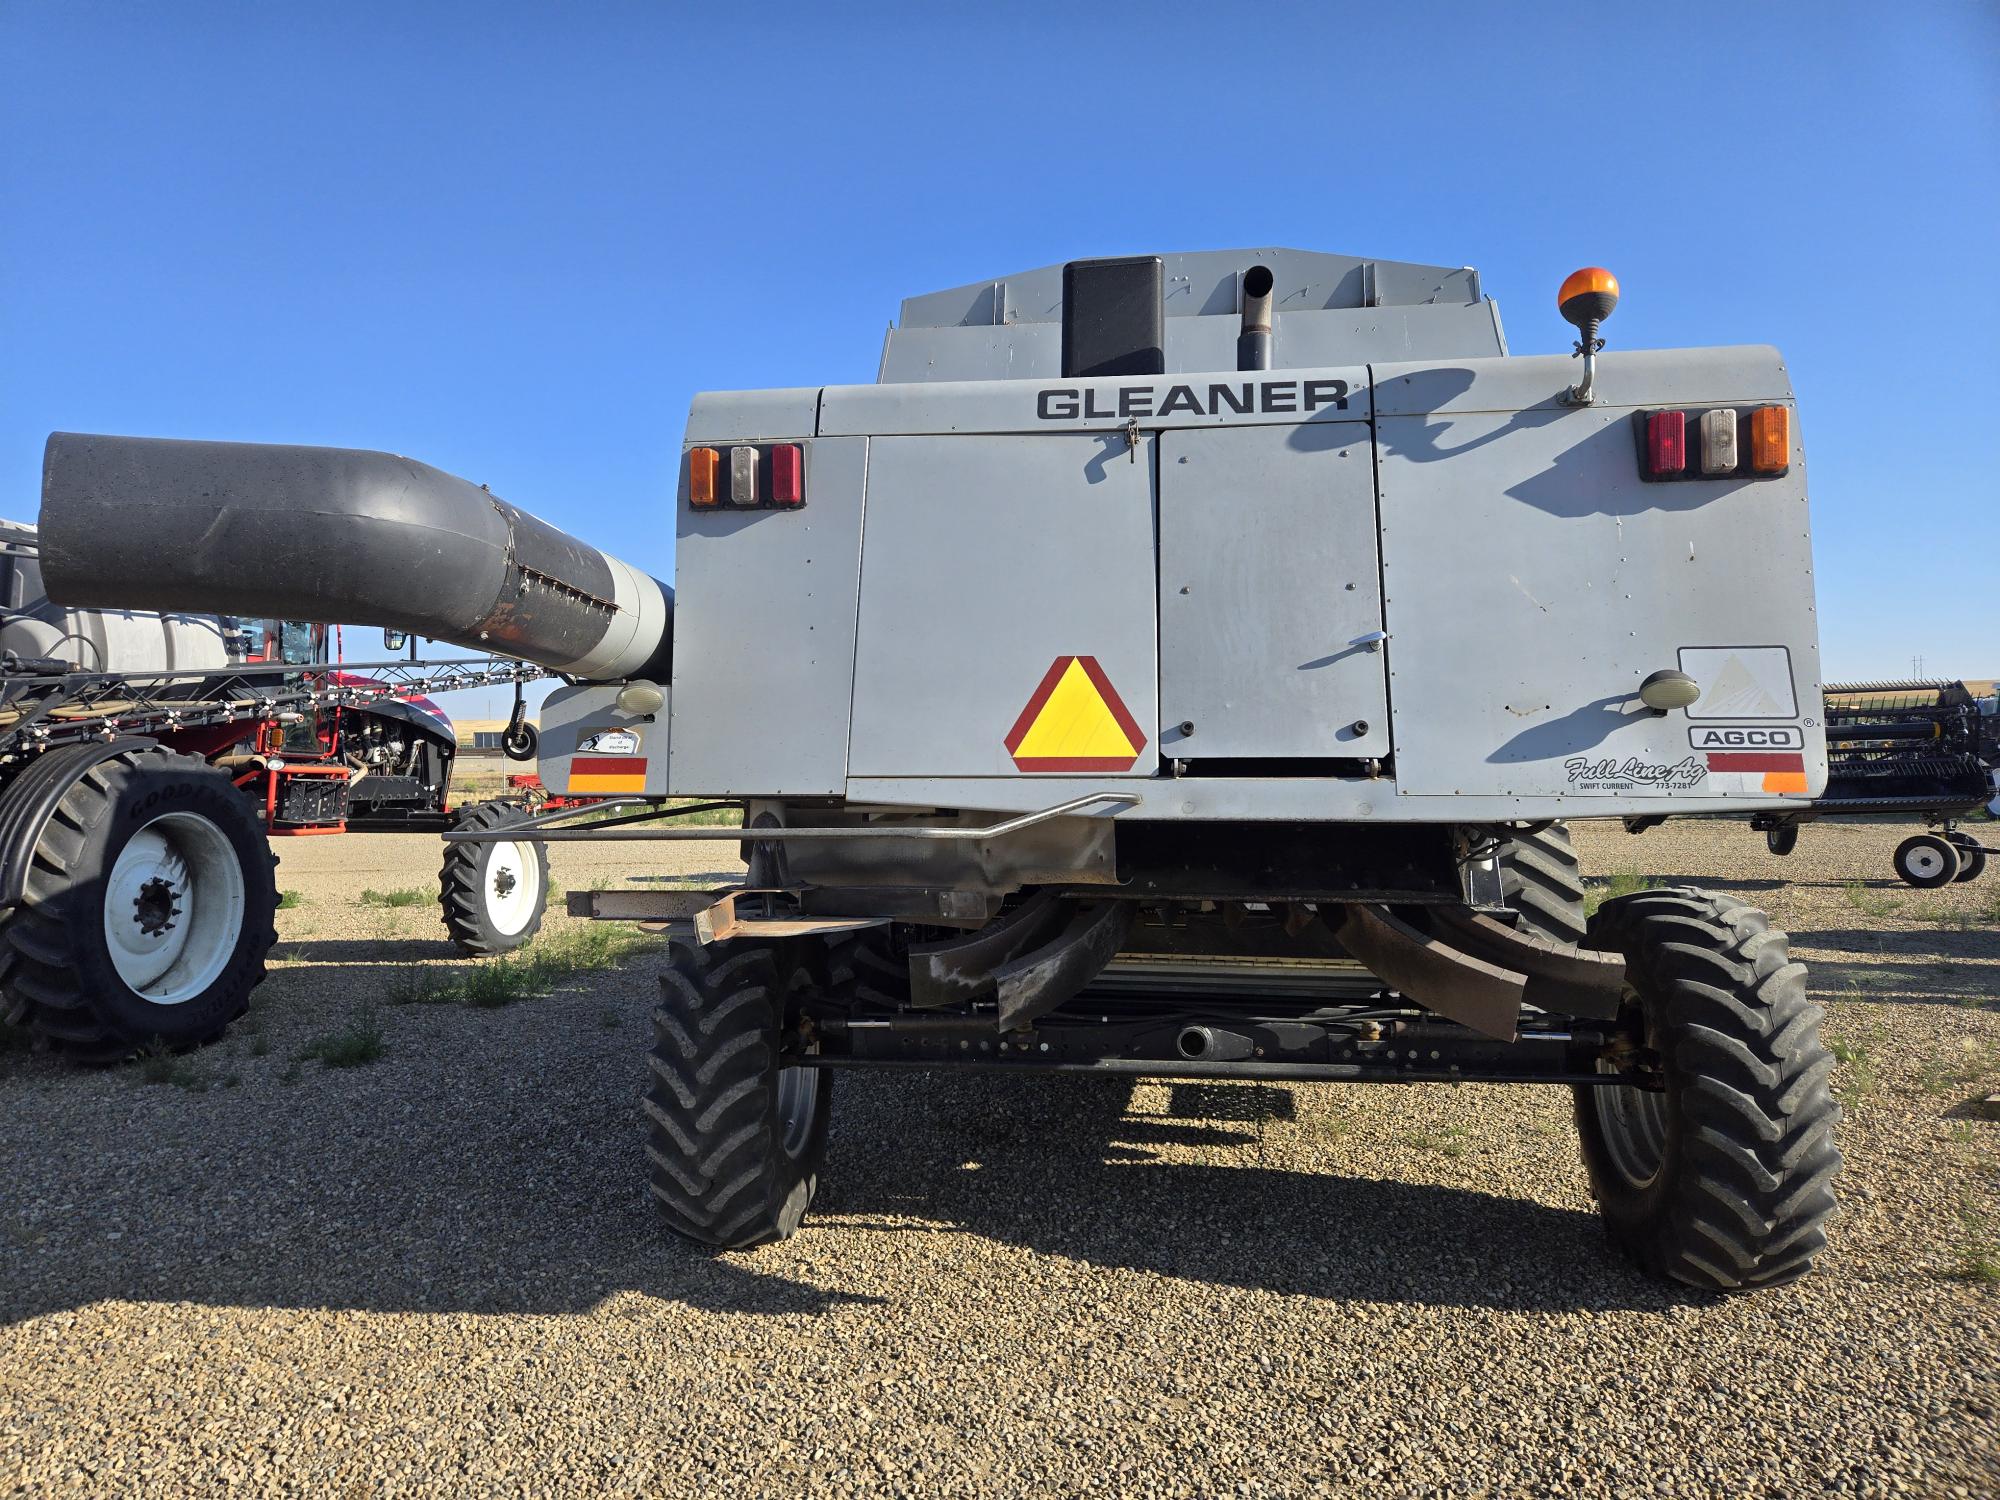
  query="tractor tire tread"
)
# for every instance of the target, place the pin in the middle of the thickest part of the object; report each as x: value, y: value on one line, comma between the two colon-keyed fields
x: 1751, y: 1190
x: 1541, y: 879
x: 45, y: 993
x: 718, y: 1174
x: 459, y: 886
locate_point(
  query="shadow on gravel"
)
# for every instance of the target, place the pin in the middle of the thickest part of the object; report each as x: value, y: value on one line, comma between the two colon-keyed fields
x: 1936, y: 944
x: 364, y: 950
x: 491, y: 1162
x: 1707, y: 882
x: 1058, y: 1166
x: 1884, y: 983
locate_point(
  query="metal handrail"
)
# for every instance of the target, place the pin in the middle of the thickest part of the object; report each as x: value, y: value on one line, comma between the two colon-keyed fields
x: 537, y: 832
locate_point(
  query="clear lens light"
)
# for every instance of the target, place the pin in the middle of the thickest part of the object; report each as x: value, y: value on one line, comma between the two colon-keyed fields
x: 742, y: 475
x: 1718, y: 441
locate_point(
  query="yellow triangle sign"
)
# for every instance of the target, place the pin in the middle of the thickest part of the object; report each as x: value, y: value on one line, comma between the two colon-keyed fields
x: 1075, y: 721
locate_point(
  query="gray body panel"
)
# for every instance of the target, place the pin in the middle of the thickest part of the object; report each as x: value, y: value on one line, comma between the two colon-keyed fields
x: 1033, y: 351
x: 986, y: 559
x: 1268, y: 575
x: 585, y: 719
x: 1532, y: 579
x: 1331, y: 310
x: 1526, y: 577
x: 1338, y: 393
x: 764, y: 656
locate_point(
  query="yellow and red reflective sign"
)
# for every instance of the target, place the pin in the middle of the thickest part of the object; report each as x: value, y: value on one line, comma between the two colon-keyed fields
x: 607, y: 773
x: 1075, y: 721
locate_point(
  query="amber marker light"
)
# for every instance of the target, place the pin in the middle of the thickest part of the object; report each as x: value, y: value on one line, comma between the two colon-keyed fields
x: 1586, y: 299
x: 1770, y: 439
x: 1587, y: 294
x: 702, y: 466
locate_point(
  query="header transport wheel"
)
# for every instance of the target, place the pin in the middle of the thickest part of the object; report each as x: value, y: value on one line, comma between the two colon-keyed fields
x: 1971, y: 857
x: 493, y: 895
x: 1720, y: 1176
x: 141, y: 899
x: 735, y: 1140
x: 1927, y: 861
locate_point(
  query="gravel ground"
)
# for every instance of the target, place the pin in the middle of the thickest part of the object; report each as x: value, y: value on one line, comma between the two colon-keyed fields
x: 438, y: 1273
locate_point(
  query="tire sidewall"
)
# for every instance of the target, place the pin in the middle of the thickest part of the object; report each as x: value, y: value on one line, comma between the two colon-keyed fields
x: 1971, y: 857
x: 794, y: 1179
x: 138, y: 792
x: 1634, y: 1214
x: 1946, y: 875
x: 467, y: 871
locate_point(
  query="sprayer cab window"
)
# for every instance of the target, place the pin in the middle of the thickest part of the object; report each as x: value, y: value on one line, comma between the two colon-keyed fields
x: 293, y: 642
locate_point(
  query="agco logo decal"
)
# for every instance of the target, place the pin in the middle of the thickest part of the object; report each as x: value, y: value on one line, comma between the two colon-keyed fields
x: 1747, y: 737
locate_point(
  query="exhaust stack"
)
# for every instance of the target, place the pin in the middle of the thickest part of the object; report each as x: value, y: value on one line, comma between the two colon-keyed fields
x: 267, y: 530
x: 1253, y: 344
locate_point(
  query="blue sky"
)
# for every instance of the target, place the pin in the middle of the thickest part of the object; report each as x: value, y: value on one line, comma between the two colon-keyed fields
x: 513, y: 240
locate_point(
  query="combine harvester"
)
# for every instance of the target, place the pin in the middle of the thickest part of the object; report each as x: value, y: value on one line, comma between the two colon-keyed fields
x: 212, y: 733
x: 1172, y: 667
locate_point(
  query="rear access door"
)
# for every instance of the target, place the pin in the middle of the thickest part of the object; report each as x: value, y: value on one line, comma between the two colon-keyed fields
x: 1270, y: 597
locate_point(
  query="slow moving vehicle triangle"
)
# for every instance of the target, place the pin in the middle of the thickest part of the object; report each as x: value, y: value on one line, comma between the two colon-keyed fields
x: 1075, y: 721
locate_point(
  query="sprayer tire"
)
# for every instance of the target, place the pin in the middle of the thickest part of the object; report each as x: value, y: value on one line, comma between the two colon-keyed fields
x: 735, y: 1140
x: 1541, y: 880
x: 1722, y: 1178
x: 493, y: 896
x: 145, y: 905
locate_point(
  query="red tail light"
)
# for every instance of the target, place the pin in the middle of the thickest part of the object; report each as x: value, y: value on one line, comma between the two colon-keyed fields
x: 1666, y: 443
x: 788, y: 475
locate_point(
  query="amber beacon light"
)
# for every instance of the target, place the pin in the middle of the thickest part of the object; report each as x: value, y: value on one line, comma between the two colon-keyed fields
x: 1586, y: 299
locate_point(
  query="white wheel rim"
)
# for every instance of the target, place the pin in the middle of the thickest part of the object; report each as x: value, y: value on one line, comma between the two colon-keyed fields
x: 173, y: 908
x: 1925, y: 862
x: 512, y: 888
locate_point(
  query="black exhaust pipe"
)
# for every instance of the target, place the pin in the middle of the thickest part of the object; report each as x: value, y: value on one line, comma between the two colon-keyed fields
x: 273, y: 531
x: 1253, y: 344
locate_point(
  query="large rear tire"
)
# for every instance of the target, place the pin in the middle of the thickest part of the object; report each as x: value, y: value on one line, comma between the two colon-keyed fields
x: 735, y: 1139
x: 142, y: 900
x: 1722, y: 1178
x: 493, y: 895
x: 1541, y: 880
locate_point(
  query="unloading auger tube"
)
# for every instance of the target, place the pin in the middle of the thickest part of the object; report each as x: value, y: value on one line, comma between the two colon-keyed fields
x: 277, y: 531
